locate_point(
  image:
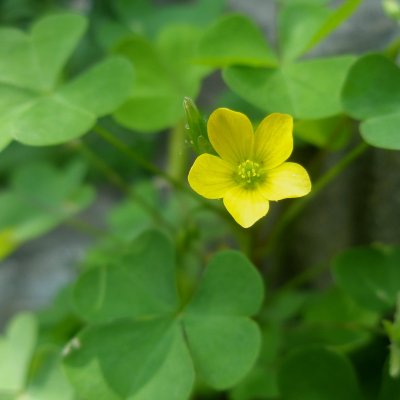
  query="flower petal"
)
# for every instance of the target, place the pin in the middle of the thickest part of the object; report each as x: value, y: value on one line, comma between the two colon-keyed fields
x: 211, y: 177
x: 231, y: 135
x: 286, y: 181
x: 274, y: 140
x: 246, y: 206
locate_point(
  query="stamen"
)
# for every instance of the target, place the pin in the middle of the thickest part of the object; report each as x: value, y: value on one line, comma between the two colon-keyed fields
x: 249, y: 172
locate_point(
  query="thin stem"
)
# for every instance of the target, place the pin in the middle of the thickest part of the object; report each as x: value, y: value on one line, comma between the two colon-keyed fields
x: 177, y: 154
x: 138, y: 159
x: 118, y: 182
x: 297, y: 207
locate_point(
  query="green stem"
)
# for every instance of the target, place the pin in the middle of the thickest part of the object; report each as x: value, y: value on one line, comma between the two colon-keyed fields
x: 297, y: 207
x: 118, y: 182
x: 138, y: 159
x: 177, y: 155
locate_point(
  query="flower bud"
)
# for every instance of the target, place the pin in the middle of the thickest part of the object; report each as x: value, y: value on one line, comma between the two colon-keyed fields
x: 196, y: 128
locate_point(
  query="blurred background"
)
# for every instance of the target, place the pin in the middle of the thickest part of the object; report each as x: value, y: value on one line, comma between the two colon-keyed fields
x: 362, y: 206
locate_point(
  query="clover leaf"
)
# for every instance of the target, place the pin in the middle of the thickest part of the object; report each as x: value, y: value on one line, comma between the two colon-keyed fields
x: 370, y: 275
x: 216, y: 48
x: 317, y: 373
x: 372, y: 94
x: 165, y: 74
x: 141, y: 343
x: 296, y: 89
x: 35, y: 107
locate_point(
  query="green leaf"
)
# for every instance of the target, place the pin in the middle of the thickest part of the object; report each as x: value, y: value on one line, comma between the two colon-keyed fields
x: 370, y: 276
x: 317, y: 374
x: 48, y: 381
x: 39, y: 199
x: 129, y: 354
x: 332, y: 318
x: 330, y: 133
x: 139, y: 283
x: 390, y: 386
x: 35, y: 109
x: 297, y: 25
x: 35, y: 61
x: 372, y: 87
x: 16, y: 350
x: 341, y: 14
x: 296, y: 89
x: 213, y: 335
x: 225, y: 287
x: 382, y: 131
x: 223, y: 348
x: 145, y: 17
x: 223, y: 343
x: 165, y: 74
x: 303, y: 24
x: 371, y: 92
x: 234, y: 40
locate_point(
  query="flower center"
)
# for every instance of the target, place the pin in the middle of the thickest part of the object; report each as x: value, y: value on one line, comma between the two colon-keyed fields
x: 249, y: 173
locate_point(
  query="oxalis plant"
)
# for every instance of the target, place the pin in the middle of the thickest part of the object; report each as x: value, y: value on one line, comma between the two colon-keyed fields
x: 185, y: 291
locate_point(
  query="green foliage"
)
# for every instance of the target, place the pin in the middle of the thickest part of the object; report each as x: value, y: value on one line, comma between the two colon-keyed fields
x: 332, y: 318
x: 318, y: 374
x: 16, y: 350
x: 370, y: 275
x: 156, y: 97
x: 303, y: 24
x: 234, y: 40
x: 166, y: 314
x: 40, y: 197
x: 145, y: 17
x: 134, y: 304
x: 390, y: 386
x: 330, y: 133
x: 36, y: 109
x: 284, y: 89
x: 371, y: 93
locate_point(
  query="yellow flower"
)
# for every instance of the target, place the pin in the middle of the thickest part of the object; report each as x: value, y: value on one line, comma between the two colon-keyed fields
x: 251, y: 169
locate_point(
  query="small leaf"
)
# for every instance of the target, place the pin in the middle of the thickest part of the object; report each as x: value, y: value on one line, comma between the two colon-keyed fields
x: 383, y: 131
x: 317, y: 373
x: 16, y: 350
x: 370, y: 276
x: 234, y: 40
x: 372, y: 87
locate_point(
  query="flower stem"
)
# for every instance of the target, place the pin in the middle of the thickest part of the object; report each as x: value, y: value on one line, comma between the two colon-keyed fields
x: 177, y: 154
x: 139, y: 160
